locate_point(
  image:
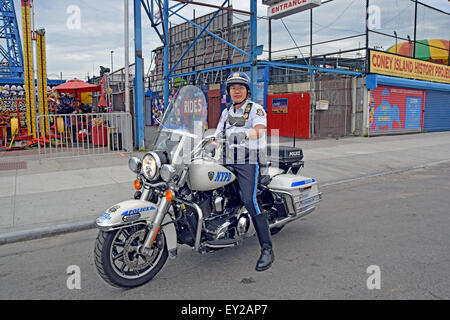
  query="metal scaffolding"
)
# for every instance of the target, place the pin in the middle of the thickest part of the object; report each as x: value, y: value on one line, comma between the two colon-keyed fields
x: 159, y: 13
x: 163, y: 12
x: 11, y: 57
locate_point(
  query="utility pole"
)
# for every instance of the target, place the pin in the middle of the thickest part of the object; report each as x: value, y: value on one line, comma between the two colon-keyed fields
x: 312, y: 91
x: 127, y: 58
x: 415, y: 30
x: 367, y: 36
x: 111, y: 81
x: 195, y: 51
x: 138, y: 78
x: 165, y: 17
x: 253, y: 40
x: 112, y: 53
x: 270, y: 39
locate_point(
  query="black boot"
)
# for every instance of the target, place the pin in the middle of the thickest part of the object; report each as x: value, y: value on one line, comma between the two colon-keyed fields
x: 265, y: 259
x: 262, y: 230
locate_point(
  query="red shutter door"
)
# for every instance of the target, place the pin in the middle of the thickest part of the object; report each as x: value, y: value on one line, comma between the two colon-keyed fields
x: 396, y: 110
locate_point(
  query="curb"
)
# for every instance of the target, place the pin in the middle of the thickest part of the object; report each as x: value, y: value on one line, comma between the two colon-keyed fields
x: 37, y: 233
x: 385, y: 173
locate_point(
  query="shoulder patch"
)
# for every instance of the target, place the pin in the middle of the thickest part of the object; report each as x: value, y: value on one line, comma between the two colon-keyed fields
x: 260, y: 112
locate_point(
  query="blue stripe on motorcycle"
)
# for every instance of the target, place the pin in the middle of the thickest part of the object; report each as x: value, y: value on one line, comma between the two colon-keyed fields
x: 255, y: 203
x: 301, y: 183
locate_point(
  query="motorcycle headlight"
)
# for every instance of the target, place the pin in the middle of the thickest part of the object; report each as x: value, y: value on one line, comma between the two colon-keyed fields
x: 167, y: 172
x: 150, y: 166
x: 135, y: 164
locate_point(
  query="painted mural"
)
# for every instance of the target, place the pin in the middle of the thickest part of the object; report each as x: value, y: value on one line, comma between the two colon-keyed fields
x: 396, y: 109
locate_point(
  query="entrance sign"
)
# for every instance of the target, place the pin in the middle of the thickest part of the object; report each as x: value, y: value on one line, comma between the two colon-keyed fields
x: 288, y: 7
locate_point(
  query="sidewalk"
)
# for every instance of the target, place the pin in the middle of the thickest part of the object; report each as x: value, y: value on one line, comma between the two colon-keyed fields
x: 64, y: 195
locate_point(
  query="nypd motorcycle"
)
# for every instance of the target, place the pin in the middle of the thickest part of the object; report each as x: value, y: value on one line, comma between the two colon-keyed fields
x: 186, y: 196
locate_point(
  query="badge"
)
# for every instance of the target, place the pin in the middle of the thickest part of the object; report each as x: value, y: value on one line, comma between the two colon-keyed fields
x: 210, y: 175
x: 260, y: 112
x: 113, y: 209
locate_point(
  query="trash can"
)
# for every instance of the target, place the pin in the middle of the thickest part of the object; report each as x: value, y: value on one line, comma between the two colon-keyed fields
x: 115, y: 141
x: 99, y: 136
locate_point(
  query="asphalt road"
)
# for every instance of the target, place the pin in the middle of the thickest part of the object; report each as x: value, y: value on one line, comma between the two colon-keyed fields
x: 396, y: 224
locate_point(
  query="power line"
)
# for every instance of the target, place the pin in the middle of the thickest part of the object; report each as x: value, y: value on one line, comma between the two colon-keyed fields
x: 296, y: 45
x: 342, y: 13
x: 338, y: 29
x: 322, y: 42
x: 428, y: 6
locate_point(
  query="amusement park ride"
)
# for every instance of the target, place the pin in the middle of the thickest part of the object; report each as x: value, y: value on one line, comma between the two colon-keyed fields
x: 18, y: 128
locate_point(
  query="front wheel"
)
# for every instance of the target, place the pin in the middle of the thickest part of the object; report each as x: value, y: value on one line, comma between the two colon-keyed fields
x: 119, y: 260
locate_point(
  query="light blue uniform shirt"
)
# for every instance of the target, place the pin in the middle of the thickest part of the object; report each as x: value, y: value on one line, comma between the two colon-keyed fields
x: 256, y: 116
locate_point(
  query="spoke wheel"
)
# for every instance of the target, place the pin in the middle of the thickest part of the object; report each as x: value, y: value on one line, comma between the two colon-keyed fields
x: 121, y: 263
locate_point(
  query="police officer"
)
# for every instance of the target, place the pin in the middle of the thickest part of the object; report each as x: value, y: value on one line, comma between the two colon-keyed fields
x: 243, y: 124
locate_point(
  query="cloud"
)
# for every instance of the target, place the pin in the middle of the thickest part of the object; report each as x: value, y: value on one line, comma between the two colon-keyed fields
x: 75, y: 52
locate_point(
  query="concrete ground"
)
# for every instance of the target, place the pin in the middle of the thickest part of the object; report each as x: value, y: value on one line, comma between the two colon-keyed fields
x: 379, y: 238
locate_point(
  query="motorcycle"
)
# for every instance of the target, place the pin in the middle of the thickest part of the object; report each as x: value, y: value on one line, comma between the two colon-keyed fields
x: 186, y: 196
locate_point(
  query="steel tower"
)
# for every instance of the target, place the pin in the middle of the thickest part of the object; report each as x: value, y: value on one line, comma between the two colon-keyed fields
x: 11, y: 54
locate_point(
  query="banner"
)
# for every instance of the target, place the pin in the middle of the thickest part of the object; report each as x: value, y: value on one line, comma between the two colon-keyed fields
x: 404, y: 67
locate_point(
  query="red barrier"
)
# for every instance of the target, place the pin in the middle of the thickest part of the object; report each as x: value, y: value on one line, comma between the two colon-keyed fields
x: 99, y: 135
x: 288, y: 113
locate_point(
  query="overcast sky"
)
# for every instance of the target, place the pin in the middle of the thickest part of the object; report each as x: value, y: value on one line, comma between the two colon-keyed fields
x: 80, y: 34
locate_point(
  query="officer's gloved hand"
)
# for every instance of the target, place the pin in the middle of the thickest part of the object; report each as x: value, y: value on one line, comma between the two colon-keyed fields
x: 237, y: 137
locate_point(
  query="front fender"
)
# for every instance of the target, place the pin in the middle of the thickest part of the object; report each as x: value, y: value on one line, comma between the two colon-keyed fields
x: 127, y: 213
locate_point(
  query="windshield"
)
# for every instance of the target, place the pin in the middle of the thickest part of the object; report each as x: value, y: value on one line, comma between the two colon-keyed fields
x: 186, y: 117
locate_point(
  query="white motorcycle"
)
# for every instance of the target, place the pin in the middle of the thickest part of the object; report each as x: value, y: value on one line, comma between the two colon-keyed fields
x: 186, y: 196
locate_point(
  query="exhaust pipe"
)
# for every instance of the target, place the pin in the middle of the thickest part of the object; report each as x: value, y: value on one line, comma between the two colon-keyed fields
x: 284, y: 221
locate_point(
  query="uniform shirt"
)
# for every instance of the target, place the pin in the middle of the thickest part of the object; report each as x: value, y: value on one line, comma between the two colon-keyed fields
x: 256, y: 116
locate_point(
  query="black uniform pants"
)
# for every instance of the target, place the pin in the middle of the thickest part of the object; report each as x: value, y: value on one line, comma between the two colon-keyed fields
x: 247, y: 176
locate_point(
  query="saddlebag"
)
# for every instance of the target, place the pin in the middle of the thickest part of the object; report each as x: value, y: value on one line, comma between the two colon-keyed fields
x: 301, y: 193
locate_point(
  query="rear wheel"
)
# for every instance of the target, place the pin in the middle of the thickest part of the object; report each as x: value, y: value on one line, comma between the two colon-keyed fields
x: 119, y: 260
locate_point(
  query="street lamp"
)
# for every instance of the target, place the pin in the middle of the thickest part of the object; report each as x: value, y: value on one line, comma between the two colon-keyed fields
x: 112, y: 52
x: 110, y: 81
x: 396, y: 49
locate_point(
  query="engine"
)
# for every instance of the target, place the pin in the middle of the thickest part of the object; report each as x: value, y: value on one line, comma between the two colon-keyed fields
x: 223, y: 214
x: 220, y: 213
